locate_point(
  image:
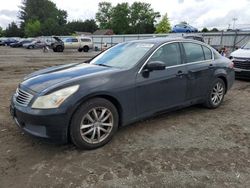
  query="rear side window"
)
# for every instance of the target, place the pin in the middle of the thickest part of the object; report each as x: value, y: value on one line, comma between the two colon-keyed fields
x: 169, y: 54
x: 207, y: 53
x: 194, y: 52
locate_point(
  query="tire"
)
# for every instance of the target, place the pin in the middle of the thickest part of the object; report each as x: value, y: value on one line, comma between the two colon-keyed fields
x: 216, y: 94
x: 54, y: 50
x: 94, y: 124
x: 59, y: 49
x: 80, y: 50
x: 85, y: 48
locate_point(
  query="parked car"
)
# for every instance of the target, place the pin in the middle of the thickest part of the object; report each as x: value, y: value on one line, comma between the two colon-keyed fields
x: 8, y: 41
x: 34, y: 44
x: 184, y: 28
x: 57, y: 45
x: 79, y: 43
x: 241, y: 59
x: 87, y: 102
x: 20, y: 43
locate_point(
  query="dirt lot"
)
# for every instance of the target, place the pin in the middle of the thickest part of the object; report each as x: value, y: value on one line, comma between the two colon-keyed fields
x: 193, y: 147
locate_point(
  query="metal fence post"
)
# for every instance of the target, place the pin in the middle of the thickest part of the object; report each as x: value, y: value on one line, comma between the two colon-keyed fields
x: 235, y: 38
x: 221, y: 39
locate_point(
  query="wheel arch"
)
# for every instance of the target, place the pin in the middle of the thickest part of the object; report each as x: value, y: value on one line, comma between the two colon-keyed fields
x: 106, y: 96
x: 225, y: 81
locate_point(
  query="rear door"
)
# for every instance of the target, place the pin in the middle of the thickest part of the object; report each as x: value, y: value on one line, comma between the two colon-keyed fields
x: 200, y: 67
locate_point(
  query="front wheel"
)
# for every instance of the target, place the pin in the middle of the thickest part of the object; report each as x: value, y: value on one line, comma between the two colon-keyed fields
x: 94, y: 124
x: 216, y: 94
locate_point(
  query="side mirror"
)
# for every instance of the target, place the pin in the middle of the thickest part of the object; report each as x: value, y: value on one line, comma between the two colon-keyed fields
x: 155, y: 65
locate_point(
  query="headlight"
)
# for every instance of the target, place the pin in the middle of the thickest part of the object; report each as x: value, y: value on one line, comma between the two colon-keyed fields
x: 55, y: 99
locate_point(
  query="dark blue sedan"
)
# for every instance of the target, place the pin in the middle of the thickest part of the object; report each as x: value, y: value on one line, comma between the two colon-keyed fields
x: 87, y: 102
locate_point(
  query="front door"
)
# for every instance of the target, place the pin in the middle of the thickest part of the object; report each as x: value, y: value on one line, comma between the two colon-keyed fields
x: 162, y: 89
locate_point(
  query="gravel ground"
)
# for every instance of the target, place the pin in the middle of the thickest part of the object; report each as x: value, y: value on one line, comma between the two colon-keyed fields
x: 193, y: 147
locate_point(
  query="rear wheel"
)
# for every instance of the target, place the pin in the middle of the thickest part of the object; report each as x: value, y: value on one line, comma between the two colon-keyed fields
x: 85, y: 48
x: 94, y: 124
x: 59, y: 49
x: 216, y: 94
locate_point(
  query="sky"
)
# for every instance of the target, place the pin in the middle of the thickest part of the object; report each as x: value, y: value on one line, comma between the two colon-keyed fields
x: 198, y: 13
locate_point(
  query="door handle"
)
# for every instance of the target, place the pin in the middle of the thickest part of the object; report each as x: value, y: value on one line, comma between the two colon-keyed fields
x: 180, y: 73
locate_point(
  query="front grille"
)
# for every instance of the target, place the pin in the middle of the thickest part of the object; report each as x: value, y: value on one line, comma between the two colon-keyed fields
x: 242, y: 63
x: 22, y: 97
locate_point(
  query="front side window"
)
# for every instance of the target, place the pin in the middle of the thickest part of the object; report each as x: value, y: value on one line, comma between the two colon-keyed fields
x: 169, y: 54
x: 194, y: 52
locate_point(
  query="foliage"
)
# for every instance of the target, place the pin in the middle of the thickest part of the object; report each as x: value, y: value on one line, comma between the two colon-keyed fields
x: 82, y: 26
x: 51, y: 19
x: 214, y: 30
x: 1, y: 32
x: 204, y: 30
x: 120, y: 18
x: 103, y: 16
x: 124, y: 19
x: 164, y: 25
x: 32, y: 28
x: 12, y: 30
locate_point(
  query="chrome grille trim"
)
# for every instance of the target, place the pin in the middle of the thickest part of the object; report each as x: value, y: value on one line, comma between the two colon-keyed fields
x: 22, y: 97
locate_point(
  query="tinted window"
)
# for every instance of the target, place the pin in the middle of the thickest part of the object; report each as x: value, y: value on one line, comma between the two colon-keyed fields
x: 68, y: 40
x: 169, y: 54
x: 74, y: 40
x: 193, y: 52
x: 207, y: 53
x: 86, y: 40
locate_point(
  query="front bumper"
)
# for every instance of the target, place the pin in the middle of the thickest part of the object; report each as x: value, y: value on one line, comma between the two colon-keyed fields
x: 51, y: 125
x: 242, y: 73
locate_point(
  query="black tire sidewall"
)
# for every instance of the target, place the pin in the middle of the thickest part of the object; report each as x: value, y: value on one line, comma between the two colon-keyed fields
x: 85, y: 48
x: 77, y: 117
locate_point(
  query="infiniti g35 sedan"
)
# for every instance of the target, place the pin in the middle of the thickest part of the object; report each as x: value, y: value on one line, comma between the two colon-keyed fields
x: 87, y: 102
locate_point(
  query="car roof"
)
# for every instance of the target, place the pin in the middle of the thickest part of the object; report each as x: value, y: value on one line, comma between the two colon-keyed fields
x: 161, y: 40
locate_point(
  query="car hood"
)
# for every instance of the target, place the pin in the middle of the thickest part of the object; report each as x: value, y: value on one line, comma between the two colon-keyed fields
x: 50, y: 77
x: 241, y: 53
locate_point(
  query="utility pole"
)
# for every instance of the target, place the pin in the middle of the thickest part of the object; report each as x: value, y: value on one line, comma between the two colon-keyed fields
x: 234, y: 20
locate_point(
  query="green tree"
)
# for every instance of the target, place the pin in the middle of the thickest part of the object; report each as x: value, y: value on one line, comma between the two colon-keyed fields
x: 13, y: 31
x: 1, y: 32
x: 32, y: 28
x: 142, y: 18
x: 164, y: 25
x: 46, y: 13
x: 204, y: 30
x: 103, y: 16
x: 120, y: 18
x: 82, y: 26
x: 214, y: 30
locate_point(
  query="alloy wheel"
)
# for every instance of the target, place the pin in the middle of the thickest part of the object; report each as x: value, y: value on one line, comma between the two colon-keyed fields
x: 96, y: 125
x: 217, y: 93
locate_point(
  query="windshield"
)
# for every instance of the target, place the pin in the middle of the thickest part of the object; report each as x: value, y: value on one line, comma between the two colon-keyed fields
x: 247, y: 45
x: 124, y: 55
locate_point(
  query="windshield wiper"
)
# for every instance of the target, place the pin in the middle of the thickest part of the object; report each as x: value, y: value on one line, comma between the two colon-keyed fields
x: 104, y: 65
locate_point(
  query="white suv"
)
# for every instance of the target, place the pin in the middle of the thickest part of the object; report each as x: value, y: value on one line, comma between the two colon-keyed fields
x: 79, y: 43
